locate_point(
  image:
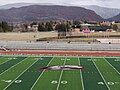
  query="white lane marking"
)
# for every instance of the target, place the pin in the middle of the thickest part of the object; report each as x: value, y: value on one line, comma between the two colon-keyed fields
x: 6, y: 61
x: 101, y: 75
x: 20, y: 74
x: 112, y: 66
x: 81, y: 75
x: 14, y: 66
x: 41, y: 75
x: 61, y: 75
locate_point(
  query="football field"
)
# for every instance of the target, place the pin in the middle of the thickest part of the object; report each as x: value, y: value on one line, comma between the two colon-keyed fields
x: 24, y: 73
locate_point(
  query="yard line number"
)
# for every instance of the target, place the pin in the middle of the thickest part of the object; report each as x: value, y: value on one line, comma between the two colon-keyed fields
x: 56, y: 82
x: 109, y: 83
x: 9, y: 81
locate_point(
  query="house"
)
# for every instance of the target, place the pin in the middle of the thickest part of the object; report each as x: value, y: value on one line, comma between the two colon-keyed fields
x: 76, y: 30
x: 118, y: 25
x: 105, y: 23
x: 35, y: 28
x: 99, y: 28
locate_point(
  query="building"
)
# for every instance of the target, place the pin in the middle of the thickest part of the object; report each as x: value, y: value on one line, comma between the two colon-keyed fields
x: 99, y: 28
x: 35, y: 28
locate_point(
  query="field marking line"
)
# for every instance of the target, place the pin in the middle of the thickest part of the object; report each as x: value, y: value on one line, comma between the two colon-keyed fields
x: 41, y: 74
x: 13, y: 66
x: 101, y: 75
x: 60, y: 56
x: 61, y: 75
x: 21, y: 74
x: 81, y: 75
x: 6, y: 60
x: 118, y: 58
x: 112, y: 66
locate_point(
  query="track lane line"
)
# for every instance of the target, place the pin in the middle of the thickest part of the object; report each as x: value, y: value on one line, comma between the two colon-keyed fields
x: 20, y: 74
x: 41, y: 74
x: 101, y: 75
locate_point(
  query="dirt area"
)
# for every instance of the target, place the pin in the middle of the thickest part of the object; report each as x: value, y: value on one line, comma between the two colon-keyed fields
x: 26, y: 36
x: 48, y: 35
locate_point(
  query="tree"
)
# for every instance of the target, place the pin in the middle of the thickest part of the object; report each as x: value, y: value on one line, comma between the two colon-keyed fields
x: 85, y: 21
x: 33, y: 23
x: 76, y: 24
x: 61, y: 28
x: 48, y: 26
x: 41, y: 27
x: 115, y: 27
x: 5, y: 27
x: 25, y: 26
x: 1, y: 27
x: 68, y: 26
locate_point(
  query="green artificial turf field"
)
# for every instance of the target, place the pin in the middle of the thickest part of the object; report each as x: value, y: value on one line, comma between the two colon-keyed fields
x: 24, y: 73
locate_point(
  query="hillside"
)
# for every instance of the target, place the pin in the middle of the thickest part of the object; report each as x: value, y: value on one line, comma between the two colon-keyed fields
x: 46, y: 12
x: 103, y: 11
x: 115, y: 18
x: 18, y: 5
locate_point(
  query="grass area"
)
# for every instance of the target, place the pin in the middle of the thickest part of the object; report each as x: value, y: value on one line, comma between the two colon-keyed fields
x: 24, y: 73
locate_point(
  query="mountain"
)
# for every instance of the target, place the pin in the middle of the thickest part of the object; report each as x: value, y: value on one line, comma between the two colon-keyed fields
x: 15, y: 5
x: 18, y: 5
x: 103, y: 11
x: 115, y: 18
x: 48, y: 12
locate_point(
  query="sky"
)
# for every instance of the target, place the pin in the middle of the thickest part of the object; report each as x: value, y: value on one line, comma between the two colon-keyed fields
x: 104, y: 3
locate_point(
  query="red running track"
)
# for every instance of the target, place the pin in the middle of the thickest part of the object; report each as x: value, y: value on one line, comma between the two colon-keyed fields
x: 64, y: 53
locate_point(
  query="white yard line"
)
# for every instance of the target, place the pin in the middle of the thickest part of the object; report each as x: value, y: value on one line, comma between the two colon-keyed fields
x: 101, y: 75
x: 13, y: 66
x: 81, y: 75
x: 6, y: 61
x: 21, y: 74
x: 41, y: 74
x: 61, y: 75
x: 112, y: 66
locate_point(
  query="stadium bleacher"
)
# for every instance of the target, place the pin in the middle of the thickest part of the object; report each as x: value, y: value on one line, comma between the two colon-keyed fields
x: 58, y: 45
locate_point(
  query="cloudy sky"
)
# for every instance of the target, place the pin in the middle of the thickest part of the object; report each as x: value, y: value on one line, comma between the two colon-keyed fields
x: 105, y: 3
